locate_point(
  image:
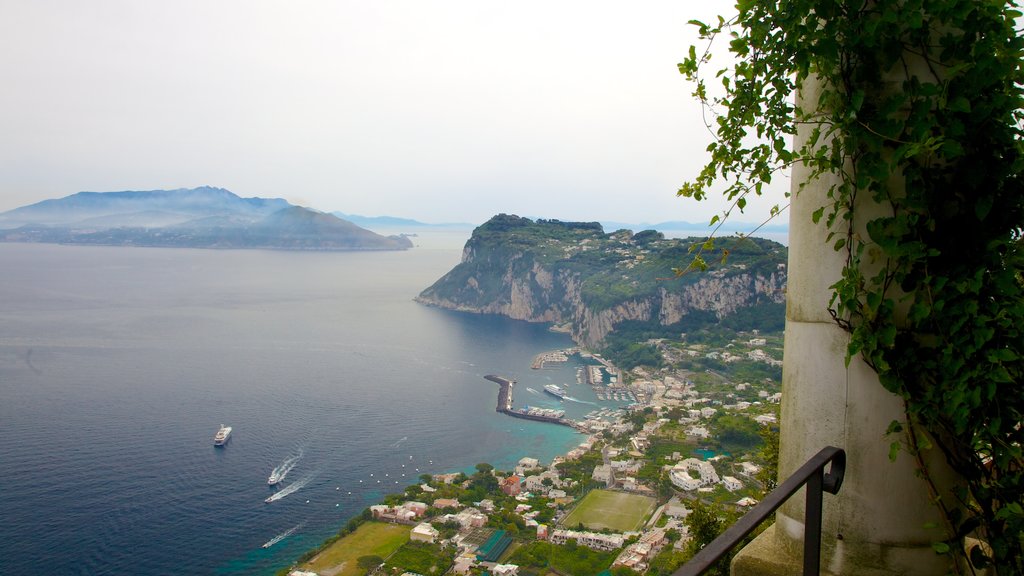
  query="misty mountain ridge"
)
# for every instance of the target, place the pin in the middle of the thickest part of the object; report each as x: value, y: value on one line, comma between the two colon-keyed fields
x: 204, y: 217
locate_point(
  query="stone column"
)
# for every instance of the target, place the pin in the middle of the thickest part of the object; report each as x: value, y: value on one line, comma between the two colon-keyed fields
x: 877, y: 523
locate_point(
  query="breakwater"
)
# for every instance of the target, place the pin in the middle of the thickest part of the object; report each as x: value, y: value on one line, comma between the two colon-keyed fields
x: 538, y: 415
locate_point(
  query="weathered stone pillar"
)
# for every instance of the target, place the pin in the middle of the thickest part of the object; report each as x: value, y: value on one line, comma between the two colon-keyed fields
x: 877, y: 522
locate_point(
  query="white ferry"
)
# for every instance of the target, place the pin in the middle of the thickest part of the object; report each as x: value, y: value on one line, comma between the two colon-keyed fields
x: 554, y: 390
x: 222, y: 436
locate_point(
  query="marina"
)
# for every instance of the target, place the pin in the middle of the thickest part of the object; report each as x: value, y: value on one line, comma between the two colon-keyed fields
x: 527, y: 413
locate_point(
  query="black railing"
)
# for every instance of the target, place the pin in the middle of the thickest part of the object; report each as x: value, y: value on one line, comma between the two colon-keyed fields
x: 817, y: 480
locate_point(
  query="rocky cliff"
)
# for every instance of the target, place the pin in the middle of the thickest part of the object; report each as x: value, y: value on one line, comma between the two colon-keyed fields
x: 574, y: 274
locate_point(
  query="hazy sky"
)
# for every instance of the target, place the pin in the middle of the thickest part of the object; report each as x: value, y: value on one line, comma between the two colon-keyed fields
x: 436, y: 110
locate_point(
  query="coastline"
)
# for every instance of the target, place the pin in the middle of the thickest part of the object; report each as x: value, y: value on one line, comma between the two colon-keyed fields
x: 508, y: 462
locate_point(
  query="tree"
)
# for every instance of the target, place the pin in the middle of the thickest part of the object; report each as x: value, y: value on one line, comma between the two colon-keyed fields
x: 919, y: 124
x: 706, y: 521
x: 768, y: 474
x: 369, y: 563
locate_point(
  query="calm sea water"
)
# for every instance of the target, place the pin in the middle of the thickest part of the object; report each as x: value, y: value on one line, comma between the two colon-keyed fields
x: 117, y: 365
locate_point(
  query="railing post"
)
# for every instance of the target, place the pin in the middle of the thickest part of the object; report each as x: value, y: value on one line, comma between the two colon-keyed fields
x: 812, y: 525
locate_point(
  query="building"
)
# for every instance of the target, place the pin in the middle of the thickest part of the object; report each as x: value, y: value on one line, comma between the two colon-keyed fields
x: 527, y: 464
x: 464, y: 563
x: 593, y: 540
x: 505, y: 570
x: 494, y: 547
x: 682, y: 475
x: 406, y: 513
x: 637, y: 556
x: 424, y: 532
x: 510, y: 485
x: 442, y: 503
x: 602, y: 473
x: 731, y: 483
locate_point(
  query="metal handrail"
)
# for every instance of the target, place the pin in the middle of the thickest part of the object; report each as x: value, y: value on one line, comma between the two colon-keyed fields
x: 817, y: 480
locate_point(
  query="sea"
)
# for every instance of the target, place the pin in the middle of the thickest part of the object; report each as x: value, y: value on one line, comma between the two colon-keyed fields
x: 119, y: 364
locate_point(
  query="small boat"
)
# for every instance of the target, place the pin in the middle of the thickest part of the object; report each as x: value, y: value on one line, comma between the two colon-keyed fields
x: 222, y: 436
x: 275, y: 477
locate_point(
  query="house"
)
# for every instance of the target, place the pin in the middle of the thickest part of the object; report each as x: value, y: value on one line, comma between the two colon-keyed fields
x: 510, y: 485
x: 424, y: 532
x: 731, y: 483
x: 486, y: 505
x: 749, y: 468
x: 676, y: 509
x: 442, y: 503
x: 528, y: 464
x: 542, y: 532
x: 746, y: 501
x: 505, y: 570
x: 626, y: 466
x: 464, y: 563
x: 698, y: 432
x: 682, y: 475
x: 470, y: 518
x: 602, y: 473
x: 638, y: 555
x: 766, y: 419
x: 445, y: 478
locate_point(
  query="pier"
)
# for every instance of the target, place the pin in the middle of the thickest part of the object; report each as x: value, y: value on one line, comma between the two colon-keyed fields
x: 505, y: 404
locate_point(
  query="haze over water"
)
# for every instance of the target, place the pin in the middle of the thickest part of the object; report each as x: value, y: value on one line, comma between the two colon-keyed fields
x: 117, y: 365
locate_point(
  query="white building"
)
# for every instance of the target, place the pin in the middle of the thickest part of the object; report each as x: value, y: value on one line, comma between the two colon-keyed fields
x: 424, y: 532
x: 505, y: 570
x: 593, y: 540
x: 602, y: 473
x: 731, y: 483
x: 682, y: 475
x: 698, y: 432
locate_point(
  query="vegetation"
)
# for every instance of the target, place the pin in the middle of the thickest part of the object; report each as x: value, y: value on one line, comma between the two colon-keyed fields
x: 421, y: 558
x: 372, y: 539
x: 917, y: 132
x: 536, y: 557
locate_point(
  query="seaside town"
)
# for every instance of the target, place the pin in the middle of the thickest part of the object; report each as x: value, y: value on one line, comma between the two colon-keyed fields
x: 651, y: 482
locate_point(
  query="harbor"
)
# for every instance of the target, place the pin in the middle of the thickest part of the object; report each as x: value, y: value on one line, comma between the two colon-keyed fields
x: 536, y: 414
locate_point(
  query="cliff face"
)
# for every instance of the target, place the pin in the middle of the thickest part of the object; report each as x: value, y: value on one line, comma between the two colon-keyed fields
x: 575, y: 274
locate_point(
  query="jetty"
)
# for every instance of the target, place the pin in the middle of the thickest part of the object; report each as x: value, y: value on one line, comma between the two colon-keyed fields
x: 536, y: 414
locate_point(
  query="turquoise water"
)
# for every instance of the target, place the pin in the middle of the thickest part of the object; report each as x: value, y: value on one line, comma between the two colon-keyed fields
x: 117, y: 365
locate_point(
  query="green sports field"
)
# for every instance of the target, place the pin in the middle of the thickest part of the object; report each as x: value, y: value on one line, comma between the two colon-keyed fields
x: 612, y: 510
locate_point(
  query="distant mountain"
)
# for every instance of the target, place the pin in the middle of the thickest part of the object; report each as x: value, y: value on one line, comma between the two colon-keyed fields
x: 203, y: 217
x: 393, y: 222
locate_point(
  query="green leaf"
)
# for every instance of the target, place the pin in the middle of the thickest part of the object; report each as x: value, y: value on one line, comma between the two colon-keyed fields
x: 940, y: 547
x: 894, y: 451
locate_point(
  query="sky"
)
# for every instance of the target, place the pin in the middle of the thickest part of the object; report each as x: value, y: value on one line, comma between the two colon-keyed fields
x: 441, y: 111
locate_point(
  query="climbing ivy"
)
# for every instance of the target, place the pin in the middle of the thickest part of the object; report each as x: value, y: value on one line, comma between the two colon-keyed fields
x: 919, y: 119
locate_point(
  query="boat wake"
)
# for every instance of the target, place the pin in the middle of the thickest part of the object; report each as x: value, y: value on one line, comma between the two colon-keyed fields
x: 398, y: 442
x: 577, y: 400
x: 281, y: 536
x: 289, y: 489
x: 532, y: 391
x: 281, y: 470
